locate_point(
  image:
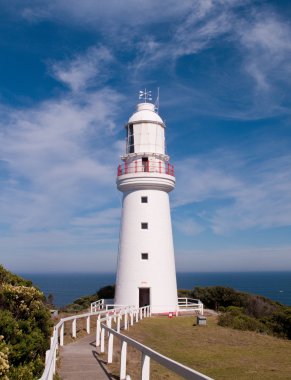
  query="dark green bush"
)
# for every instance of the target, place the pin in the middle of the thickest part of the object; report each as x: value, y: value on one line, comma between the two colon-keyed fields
x: 25, y: 325
x: 246, y: 311
x: 215, y: 297
x: 107, y: 292
x: 235, y: 318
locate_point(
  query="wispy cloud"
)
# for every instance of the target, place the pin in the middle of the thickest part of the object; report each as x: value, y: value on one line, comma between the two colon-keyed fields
x: 84, y: 70
x: 55, y: 156
x: 234, y: 259
x: 267, y: 49
x: 245, y: 196
x: 188, y: 226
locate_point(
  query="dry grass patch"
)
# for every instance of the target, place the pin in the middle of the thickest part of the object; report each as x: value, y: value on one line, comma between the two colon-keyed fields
x: 216, y: 351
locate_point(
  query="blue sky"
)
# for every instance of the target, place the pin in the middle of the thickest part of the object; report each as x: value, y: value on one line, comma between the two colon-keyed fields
x: 70, y: 72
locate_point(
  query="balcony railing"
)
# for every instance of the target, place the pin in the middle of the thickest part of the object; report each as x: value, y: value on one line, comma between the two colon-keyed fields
x: 147, y: 167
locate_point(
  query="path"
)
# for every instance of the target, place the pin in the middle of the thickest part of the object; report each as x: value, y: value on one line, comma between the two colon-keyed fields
x: 81, y: 361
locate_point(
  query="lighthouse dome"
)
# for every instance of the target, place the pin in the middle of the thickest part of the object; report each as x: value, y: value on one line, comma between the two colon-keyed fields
x: 145, y: 112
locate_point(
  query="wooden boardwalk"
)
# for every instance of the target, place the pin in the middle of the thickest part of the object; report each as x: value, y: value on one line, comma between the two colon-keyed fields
x: 81, y: 361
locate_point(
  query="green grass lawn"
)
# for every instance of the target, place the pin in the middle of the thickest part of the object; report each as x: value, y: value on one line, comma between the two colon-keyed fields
x: 219, y: 352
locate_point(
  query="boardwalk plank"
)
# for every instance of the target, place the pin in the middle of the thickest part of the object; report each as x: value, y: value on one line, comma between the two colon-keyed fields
x: 80, y: 361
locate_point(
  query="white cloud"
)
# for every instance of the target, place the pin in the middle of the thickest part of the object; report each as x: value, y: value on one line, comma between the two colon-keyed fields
x: 102, y: 13
x: 246, y: 197
x: 267, y: 49
x: 234, y: 259
x: 188, y: 226
x: 59, y: 162
x: 84, y: 70
x: 57, y: 159
x: 108, y: 217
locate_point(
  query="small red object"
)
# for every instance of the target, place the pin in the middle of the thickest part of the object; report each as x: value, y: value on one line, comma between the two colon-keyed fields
x: 170, y: 315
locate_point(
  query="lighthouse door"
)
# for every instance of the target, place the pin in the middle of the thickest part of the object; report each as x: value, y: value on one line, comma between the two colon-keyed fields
x: 144, y: 297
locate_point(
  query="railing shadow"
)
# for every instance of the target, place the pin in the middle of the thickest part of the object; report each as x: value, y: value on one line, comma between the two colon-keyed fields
x: 102, y: 364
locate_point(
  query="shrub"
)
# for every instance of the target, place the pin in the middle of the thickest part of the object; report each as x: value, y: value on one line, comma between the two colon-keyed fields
x: 258, y: 306
x: 235, y: 318
x: 25, y: 325
x: 106, y: 292
x: 85, y: 302
x: 4, y: 362
x: 218, y: 296
x: 280, y: 322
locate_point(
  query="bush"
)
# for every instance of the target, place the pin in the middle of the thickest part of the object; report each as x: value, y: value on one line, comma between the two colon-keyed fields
x: 246, y: 311
x: 216, y: 297
x: 106, y: 292
x: 258, y: 306
x: 4, y: 362
x: 280, y: 322
x: 235, y: 318
x: 85, y: 302
x: 25, y: 325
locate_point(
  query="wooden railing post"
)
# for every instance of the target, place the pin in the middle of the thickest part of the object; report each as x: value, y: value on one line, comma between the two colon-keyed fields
x: 110, y: 348
x: 62, y: 334
x: 145, y: 367
x: 109, y: 322
x: 125, y: 321
x: 123, y: 354
x: 102, y: 347
x: 55, y: 359
x: 118, y: 323
x: 98, y: 328
x: 88, y: 325
x: 74, y: 328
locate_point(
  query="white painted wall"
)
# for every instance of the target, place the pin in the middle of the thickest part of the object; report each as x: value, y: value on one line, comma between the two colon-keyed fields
x: 149, y: 138
x: 158, y: 272
x: 148, y: 130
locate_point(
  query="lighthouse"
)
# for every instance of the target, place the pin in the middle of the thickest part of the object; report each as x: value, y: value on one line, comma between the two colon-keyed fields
x: 146, y: 272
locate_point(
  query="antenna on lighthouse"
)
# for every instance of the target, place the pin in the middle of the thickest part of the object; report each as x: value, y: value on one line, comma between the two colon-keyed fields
x: 157, y: 102
x: 145, y: 95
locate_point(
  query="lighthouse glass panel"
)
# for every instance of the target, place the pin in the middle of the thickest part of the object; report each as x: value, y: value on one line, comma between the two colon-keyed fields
x: 130, y: 139
x: 144, y: 199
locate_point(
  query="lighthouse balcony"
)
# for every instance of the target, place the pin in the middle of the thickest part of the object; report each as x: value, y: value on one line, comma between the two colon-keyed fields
x: 147, y: 167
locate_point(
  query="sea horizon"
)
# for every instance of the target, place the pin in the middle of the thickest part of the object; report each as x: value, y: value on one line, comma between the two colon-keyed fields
x: 69, y: 286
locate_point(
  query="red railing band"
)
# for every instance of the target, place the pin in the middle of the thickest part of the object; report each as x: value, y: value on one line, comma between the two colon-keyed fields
x: 146, y: 167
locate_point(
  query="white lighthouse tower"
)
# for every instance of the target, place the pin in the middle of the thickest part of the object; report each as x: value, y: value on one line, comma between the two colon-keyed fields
x: 146, y: 266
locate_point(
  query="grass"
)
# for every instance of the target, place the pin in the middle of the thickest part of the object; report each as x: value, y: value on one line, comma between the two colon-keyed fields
x: 219, y: 352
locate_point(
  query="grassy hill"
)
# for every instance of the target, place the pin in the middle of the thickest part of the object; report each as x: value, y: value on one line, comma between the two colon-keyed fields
x: 219, y: 352
x: 24, y: 328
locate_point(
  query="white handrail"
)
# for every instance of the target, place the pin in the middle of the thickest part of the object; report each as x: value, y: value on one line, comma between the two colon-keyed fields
x: 147, y: 353
x: 97, y: 305
x: 58, y: 339
x: 130, y: 315
x: 185, y: 303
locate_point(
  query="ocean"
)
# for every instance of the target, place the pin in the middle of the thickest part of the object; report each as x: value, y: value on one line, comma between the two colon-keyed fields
x: 66, y: 288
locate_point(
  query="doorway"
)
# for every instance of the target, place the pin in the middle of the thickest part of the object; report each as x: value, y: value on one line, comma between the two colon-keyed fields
x: 145, y: 164
x: 144, y: 297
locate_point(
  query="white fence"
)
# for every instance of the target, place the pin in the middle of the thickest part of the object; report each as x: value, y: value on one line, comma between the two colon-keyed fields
x: 97, y: 305
x: 57, y: 339
x: 123, y: 317
x: 190, y: 304
x: 105, y: 325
